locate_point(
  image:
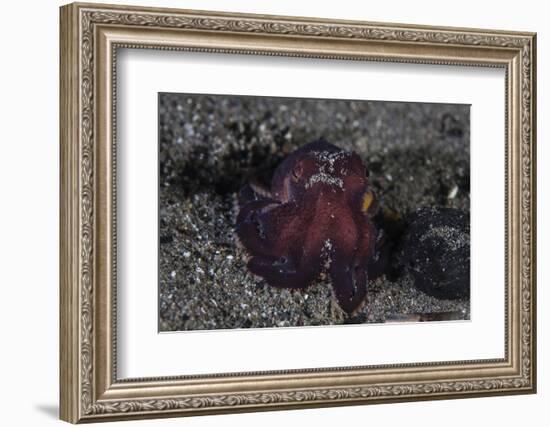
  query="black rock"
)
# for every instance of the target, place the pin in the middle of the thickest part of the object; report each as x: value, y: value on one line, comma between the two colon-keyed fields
x: 436, y: 252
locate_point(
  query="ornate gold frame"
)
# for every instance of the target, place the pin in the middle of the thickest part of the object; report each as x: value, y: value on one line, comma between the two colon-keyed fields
x: 90, y: 35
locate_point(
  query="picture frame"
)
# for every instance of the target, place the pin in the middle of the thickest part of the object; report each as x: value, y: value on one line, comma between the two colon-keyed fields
x: 91, y: 37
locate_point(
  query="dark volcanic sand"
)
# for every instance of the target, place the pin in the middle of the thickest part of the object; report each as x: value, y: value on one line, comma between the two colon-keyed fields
x: 418, y: 155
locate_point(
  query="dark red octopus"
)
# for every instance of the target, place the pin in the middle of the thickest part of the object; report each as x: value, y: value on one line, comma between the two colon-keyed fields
x: 316, y: 218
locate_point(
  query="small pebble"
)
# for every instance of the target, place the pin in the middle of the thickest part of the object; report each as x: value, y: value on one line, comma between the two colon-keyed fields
x: 453, y: 192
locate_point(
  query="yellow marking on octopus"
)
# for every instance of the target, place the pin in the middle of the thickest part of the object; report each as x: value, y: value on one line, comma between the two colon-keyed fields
x: 367, y: 201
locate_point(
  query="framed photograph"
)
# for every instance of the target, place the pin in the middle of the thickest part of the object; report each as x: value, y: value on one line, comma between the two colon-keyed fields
x: 267, y: 212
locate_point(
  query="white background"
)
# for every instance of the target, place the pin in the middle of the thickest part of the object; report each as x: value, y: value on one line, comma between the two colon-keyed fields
x: 29, y: 171
x: 143, y: 352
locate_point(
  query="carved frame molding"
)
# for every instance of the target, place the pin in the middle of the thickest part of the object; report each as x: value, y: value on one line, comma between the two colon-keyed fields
x: 90, y: 36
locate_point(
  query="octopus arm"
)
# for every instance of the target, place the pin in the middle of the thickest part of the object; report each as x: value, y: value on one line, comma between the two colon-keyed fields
x: 277, y: 237
x: 250, y: 227
x: 266, y: 226
x: 349, y: 266
x: 295, y: 266
x: 349, y: 281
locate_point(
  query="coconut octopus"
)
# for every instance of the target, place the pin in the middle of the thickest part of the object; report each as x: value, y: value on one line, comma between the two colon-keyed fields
x: 316, y: 218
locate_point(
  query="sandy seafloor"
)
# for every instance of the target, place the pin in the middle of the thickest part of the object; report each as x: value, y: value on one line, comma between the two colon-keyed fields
x: 418, y: 155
